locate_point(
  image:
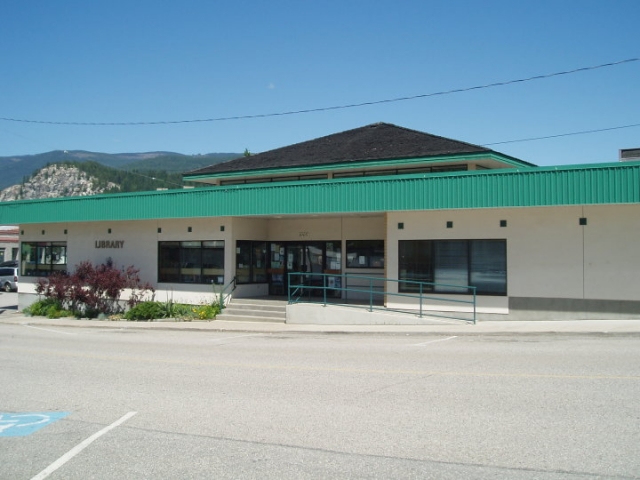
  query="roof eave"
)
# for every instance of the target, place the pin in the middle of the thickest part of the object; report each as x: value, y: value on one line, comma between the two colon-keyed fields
x: 499, y: 157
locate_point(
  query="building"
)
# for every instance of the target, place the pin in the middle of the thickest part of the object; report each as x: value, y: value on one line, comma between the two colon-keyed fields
x: 9, y: 243
x: 375, y: 207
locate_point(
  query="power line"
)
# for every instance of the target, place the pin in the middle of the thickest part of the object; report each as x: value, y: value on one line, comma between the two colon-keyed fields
x: 583, y: 132
x: 338, y: 107
x: 153, y: 178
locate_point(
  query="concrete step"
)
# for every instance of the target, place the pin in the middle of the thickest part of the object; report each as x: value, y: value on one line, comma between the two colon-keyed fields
x: 254, y: 310
x: 249, y: 318
x: 252, y: 306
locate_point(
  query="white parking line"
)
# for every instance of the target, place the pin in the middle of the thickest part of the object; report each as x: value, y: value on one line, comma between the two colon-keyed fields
x: 47, y: 329
x: 81, y: 446
x: 434, y: 341
x: 236, y: 336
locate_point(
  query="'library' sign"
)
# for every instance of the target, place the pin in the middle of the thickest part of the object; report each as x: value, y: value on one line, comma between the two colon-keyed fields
x: 109, y: 243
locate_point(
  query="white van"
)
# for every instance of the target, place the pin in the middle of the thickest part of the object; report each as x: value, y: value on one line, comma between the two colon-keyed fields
x: 9, y: 279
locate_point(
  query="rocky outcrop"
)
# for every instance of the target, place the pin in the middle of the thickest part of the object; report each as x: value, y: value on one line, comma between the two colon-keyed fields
x: 56, y: 181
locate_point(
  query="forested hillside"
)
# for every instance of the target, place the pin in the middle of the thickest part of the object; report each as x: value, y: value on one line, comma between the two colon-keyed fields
x: 87, y: 178
x: 15, y: 169
x: 129, y: 181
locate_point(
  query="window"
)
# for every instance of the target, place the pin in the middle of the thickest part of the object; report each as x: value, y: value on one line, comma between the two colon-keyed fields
x: 289, y: 178
x: 41, y: 259
x: 365, y: 253
x: 415, y: 263
x: 191, y: 262
x: 251, y: 261
x: 213, y: 261
x: 488, y: 266
x: 452, y: 265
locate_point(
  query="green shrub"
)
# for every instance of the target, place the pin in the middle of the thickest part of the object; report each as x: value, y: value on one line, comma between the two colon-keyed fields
x: 41, y: 307
x: 48, y: 307
x: 146, y: 311
x: 179, y: 310
x: 54, y: 313
x: 91, y: 312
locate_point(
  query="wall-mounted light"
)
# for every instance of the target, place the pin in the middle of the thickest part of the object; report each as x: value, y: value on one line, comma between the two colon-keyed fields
x: 401, y: 226
x: 503, y: 223
x: 583, y: 221
x: 222, y: 228
x: 449, y: 224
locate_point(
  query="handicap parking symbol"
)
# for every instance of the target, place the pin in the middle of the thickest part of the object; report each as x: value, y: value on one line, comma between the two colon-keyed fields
x: 23, y: 424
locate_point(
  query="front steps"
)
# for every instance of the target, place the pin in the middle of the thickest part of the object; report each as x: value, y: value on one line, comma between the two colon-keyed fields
x: 254, y: 310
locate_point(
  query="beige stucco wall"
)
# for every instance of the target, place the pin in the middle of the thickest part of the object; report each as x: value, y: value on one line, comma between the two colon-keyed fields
x: 612, y: 252
x: 549, y: 255
x: 305, y: 229
x: 140, y: 249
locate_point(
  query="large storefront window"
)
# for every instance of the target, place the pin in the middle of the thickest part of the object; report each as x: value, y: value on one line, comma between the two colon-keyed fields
x: 251, y: 261
x: 453, y: 265
x: 415, y: 262
x: 488, y: 266
x: 41, y: 259
x: 191, y: 262
x: 365, y: 253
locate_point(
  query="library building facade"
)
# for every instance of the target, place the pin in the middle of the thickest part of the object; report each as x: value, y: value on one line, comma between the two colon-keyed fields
x: 408, y: 221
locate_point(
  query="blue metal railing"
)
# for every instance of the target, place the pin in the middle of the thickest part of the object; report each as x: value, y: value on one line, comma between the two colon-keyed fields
x: 323, y: 288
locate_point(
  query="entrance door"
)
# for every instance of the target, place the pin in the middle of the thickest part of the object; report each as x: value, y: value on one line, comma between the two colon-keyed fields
x: 304, y: 258
x: 297, y: 262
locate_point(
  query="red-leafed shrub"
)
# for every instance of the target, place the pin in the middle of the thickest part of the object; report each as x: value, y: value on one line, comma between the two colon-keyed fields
x: 94, y: 289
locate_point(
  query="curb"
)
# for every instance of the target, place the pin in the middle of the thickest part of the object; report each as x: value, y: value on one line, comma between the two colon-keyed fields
x: 573, y: 327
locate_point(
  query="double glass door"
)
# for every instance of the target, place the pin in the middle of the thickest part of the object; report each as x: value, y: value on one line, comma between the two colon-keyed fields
x: 308, y: 260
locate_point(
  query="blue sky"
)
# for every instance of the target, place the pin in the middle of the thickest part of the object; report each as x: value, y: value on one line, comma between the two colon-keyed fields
x: 149, y: 61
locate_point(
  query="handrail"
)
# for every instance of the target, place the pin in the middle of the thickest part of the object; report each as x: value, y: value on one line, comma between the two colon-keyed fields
x: 294, y: 296
x: 297, y: 291
x: 222, y: 292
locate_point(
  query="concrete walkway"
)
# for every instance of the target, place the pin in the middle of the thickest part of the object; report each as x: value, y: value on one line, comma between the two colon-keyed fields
x: 610, y: 327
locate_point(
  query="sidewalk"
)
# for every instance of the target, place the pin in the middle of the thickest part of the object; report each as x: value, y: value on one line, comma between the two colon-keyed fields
x: 598, y: 327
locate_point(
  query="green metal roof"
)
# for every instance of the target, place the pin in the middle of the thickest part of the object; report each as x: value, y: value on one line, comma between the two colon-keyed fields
x: 611, y: 183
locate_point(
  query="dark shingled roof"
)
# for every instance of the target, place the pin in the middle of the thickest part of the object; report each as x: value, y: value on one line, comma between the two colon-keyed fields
x: 379, y: 141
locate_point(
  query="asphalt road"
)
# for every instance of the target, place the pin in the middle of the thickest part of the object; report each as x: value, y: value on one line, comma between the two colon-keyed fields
x: 297, y: 406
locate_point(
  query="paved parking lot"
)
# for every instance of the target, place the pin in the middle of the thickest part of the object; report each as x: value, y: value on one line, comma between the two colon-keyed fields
x: 137, y: 403
x: 8, y: 302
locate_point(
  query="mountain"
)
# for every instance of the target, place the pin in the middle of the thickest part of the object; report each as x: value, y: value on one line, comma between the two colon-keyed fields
x: 57, y: 181
x: 88, y: 178
x: 16, y: 168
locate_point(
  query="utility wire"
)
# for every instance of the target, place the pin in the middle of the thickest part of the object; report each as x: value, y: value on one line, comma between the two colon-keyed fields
x: 338, y: 107
x: 531, y: 139
x: 583, y: 132
x: 132, y: 172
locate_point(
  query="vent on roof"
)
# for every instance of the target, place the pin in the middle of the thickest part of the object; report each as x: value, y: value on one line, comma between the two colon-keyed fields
x: 630, y: 155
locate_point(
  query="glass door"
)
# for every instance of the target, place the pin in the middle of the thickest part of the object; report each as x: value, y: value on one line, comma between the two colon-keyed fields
x: 297, y: 262
x: 309, y: 261
x: 276, y: 271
